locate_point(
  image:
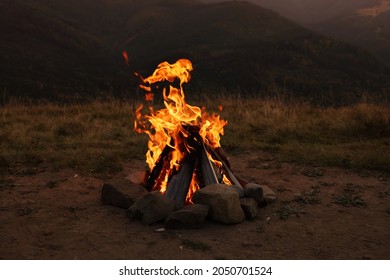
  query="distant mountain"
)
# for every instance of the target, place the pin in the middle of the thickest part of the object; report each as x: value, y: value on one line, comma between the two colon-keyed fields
x: 310, y: 11
x: 364, y: 23
x: 57, y: 47
x: 368, y: 27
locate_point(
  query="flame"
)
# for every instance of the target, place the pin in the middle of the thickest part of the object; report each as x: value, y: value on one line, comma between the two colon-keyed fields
x: 126, y: 58
x: 149, y: 96
x: 226, y: 180
x: 194, y: 186
x: 170, y: 126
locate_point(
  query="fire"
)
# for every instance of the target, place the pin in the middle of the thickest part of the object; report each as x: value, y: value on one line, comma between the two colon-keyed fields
x: 126, y: 58
x: 176, y: 126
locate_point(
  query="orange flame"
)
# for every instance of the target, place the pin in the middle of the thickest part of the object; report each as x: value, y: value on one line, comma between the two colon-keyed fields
x: 125, y: 57
x: 149, y: 96
x: 167, y: 126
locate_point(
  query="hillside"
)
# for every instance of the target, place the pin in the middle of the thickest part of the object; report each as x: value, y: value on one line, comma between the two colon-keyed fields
x: 68, y: 48
x: 56, y: 47
x: 310, y: 11
x: 368, y: 27
x: 364, y: 23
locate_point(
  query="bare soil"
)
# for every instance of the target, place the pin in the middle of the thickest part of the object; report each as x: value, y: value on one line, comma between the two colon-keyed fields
x: 320, y: 213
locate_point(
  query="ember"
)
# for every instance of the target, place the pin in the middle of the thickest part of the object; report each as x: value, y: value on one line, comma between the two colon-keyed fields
x: 184, y: 151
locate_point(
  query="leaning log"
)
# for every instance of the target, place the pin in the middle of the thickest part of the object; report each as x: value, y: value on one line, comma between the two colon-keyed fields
x: 221, y: 152
x: 226, y: 168
x: 206, y: 167
x: 157, y: 168
x: 179, y: 184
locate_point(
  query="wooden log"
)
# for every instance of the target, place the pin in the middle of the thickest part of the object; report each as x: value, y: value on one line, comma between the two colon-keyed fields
x: 221, y: 152
x: 242, y: 181
x: 226, y: 168
x: 151, y: 181
x: 179, y: 184
x: 206, y: 168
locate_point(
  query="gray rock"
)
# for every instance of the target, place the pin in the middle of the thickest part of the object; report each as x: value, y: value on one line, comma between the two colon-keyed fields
x: 261, y: 193
x: 121, y: 193
x: 269, y: 194
x: 239, y: 190
x: 190, y: 216
x: 152, y: 207
x: 249, y: 206
x: 254, y: 191
x: 224, y: 203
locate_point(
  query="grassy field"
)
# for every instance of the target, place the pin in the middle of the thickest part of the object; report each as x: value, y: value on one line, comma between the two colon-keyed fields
x: 97, y: 137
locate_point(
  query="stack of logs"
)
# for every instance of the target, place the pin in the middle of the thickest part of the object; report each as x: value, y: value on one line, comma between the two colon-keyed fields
x: 228, y: 204
x: 195, y: 162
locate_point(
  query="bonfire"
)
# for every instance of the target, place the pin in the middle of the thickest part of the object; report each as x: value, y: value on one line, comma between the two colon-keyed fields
x: 189, y: 177
x: 184, y: 151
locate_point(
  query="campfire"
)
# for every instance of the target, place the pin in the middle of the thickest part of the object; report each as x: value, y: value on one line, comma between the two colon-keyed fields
x: 184, y: 151
x: 189, y: 177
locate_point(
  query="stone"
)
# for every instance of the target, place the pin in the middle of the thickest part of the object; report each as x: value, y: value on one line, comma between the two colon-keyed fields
x: 224, y: 203
x: 249, y: 206
x: 151, y: 208
x: 121, y: 193
x: 239, y: 190
x: 268, y: 194
x: 261, y: 193
x: 254, y: 191
x: 137, y: 177
x: 190, y: 216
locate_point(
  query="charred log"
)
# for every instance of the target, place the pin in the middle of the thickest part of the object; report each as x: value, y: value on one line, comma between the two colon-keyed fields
x: 157, y: 168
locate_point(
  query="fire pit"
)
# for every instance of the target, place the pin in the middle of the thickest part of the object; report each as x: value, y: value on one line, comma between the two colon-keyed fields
x: 189, y: 174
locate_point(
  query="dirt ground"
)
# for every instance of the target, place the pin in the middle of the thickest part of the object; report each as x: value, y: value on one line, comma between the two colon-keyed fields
x: 320, y: 213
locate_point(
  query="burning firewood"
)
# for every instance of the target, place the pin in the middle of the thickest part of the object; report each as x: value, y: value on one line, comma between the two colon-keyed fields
x: 180, y: 183
x: 184, y: 141
x: 207, y: 169
x: 226, y: 168
x: 156, y: 171
x: 189, y: 176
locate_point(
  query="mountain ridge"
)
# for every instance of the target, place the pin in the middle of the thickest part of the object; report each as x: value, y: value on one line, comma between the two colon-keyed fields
x: 71, y: 48
x: 368, y: 28
x: 363, y: 23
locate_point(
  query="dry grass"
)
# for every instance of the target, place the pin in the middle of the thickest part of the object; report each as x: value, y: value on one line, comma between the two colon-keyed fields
x: 92, y: 138
x: 97, y: 137
x: 357, y: 136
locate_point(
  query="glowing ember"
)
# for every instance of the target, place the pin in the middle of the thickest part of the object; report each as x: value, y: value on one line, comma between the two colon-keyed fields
x: 177, y: 126
x: 126, y: 58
